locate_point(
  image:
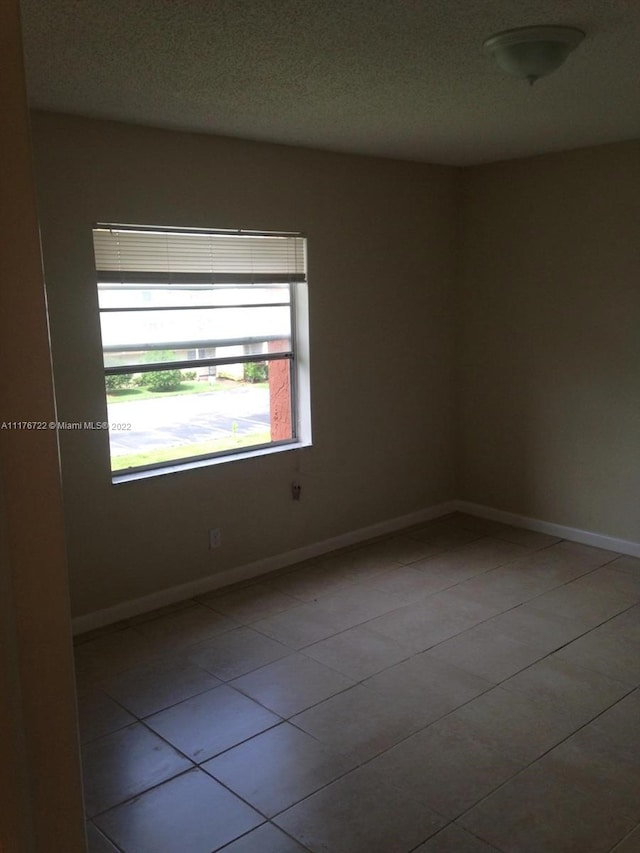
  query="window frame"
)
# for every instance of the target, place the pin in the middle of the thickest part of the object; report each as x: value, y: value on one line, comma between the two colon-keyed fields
x: 297, y: 361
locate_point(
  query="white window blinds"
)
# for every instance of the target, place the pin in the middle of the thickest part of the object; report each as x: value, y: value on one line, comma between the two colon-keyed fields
x: 137, y: 256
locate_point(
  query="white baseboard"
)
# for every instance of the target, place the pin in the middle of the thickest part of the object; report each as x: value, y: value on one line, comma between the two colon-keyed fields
x: 585, y: 537
x: 174, y: 594
x: 128, y: 609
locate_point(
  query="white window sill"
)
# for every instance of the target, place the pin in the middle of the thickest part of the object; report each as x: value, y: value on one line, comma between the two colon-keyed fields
x: 175, y: 468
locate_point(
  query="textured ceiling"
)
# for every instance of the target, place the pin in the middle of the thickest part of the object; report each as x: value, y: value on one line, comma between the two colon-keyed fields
x: 396, y: 78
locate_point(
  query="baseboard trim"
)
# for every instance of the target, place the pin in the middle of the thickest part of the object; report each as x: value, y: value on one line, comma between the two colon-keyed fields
x: 585, y: 537
x: 135, y: 607
x: 174, y: 594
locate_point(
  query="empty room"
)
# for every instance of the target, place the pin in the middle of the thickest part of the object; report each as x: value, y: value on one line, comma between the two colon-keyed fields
x: 320, y: 429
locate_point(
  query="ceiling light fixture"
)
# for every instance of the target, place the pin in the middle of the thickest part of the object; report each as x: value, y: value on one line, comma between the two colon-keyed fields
x: 532, y: 52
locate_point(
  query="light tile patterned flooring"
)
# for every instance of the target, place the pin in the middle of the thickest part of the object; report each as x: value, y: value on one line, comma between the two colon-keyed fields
x: 461, y: 687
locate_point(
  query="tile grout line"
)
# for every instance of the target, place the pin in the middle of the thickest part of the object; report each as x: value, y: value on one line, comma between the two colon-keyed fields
x: 360, y: 682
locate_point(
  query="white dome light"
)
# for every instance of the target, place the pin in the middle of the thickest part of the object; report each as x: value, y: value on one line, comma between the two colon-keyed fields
x: 532, y: 52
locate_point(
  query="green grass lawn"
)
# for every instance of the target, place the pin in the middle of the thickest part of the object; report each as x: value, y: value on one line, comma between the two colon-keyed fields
x: 131, y: 395
x: 171, y: 454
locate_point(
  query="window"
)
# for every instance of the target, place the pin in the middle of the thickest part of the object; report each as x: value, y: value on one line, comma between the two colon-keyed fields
x: 205, y: 343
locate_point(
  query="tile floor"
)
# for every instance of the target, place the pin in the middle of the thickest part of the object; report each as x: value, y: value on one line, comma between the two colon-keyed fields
x: 461, y: 687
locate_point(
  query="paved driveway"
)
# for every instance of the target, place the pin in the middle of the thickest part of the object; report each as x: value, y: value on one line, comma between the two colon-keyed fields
x: 175, y: 420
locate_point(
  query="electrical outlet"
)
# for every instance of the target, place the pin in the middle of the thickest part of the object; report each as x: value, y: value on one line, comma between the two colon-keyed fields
x: 296, y: 490
x: 215, y: 538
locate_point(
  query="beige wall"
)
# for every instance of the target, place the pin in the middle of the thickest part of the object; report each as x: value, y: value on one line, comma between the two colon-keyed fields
x: 537, y: 261
x: 40, y: 792
x: 380, y: 269
x: 549, y: 339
